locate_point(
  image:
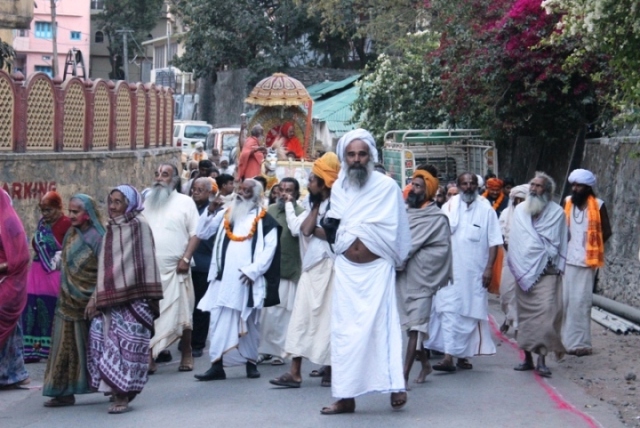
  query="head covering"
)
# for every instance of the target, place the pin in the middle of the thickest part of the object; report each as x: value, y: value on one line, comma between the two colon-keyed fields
x: 15, y: 252
x: 582, y: 176
x: 52, y: 199
x: 224, y: 158
x: 495, y: 184
x: 199, y: 145
x: 214, y: 185
x: 89, y: 205
x: 520, y: 191
x: 480, y: 181
x: 327, y: 168
x: 431, y: 183
x: 357, y: 134
x: 133, y: 197
x: 284, y: 130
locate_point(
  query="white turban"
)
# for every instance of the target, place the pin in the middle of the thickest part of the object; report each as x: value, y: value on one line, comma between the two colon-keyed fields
x: 480, y: 181
x: 357, y: 134
x: 582, y: 176
x: 520, y: 191
x: 224, y: 158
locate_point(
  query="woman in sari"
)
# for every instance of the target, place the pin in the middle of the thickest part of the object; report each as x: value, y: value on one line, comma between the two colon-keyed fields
x: 14, y: 265
x: 43, y: 282
x: 66, y: 372
x: 125, y: 302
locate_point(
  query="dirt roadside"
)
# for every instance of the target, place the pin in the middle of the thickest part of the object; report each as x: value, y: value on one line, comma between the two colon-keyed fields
x: 611, y: 374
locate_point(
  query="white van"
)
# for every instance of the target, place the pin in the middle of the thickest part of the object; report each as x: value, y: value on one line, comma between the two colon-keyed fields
x: 186, y: 133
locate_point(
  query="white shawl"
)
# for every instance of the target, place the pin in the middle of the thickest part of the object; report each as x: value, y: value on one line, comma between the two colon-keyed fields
x: 535, y: 243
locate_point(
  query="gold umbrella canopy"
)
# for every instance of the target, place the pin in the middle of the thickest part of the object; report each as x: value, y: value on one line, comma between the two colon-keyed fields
x: 278, y: 90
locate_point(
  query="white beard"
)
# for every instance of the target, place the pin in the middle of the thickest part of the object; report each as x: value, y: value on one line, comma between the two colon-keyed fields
x: 358, y: 177
x: 240, y: 209
x: 158, y: 196
x: 534, y: 204
x: 468, y: 198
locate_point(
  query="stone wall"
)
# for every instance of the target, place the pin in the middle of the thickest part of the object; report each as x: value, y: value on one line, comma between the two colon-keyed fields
x: 616, y: 163
x: 27, y: 176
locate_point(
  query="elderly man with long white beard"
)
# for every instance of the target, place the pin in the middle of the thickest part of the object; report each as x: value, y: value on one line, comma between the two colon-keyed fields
x: 372, y: 239
x: 173, y: 218
x: 243, y: 278
x: 460, y: 325
x: 537, y: 257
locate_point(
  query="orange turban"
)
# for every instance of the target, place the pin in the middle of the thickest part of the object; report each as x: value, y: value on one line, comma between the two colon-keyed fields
x: 430, y: 183
x: 52, y: 199
x: 327, y: 168
x: 495, y: 184
x: 212, y: 183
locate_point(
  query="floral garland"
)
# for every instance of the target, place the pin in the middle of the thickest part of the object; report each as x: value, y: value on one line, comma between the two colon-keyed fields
x: 254, y: 226
x: 498, y: 201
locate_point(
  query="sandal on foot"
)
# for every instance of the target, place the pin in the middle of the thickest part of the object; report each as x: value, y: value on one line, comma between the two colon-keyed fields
x: 119, y: 407
x: 186, y: 365
x: 277, y: 361
x: 464, y: 364
x: 286, y: 380
x: 60, y: 402
x: 326, y: 377
x: 398, y: 400
x: 523, y: 367
x: 317, y: 373
x: 583, y: 352
x: 440, y: 367
x: 543, y: 371
x: 263, y: 357
x: 340, y: 406
x: 164, y: 357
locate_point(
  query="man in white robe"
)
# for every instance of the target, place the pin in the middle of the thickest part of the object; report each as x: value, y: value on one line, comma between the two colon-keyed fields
x: 537, y: 256
x: 309, y: 332
x: 460, y: 325
x: 372, y: 240
x: 243, y: 278
x: 589, y: 230
x: 173, y: 218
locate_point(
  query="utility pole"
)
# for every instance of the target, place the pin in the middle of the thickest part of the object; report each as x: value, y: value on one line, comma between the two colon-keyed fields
x: 54, y: 37
x: 125, y: 48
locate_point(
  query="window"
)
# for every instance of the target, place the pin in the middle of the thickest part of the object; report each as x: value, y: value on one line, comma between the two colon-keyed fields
x: 45, y: 69
x: 158, y: 57
x: 75, y: 35
x: 99, y: 38
x: 43, y: 30
x: 22, y: 33
x: 97, y: 4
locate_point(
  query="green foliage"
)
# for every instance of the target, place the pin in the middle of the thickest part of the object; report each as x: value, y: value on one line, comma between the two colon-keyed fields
x: 402, y: 90
x: 140, y: 16
x: 7, y: 55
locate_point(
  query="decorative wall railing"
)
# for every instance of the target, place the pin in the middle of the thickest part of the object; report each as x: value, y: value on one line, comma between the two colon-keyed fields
x: 43, y: 114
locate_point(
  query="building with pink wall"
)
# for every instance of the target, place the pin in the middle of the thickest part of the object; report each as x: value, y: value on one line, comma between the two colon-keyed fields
x: 34, y: 47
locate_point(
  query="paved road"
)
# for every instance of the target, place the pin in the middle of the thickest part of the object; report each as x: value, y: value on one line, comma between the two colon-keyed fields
x: 490, y: 395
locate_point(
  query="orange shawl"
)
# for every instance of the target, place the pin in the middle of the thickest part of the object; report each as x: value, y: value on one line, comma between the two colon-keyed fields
x: 595, y: 243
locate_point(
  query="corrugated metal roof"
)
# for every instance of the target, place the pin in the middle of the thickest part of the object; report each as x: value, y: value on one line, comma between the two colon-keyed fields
x: 337, y: 111
x: 319, y: 89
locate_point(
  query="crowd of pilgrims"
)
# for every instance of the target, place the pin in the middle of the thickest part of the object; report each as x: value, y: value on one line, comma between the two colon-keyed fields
x: 92, y: 296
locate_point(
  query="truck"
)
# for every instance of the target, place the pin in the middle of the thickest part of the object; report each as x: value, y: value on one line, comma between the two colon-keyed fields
x: 451, y: 151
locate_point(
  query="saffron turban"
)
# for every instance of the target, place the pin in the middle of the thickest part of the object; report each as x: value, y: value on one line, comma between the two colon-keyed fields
x: 520, y: 191
x: 430, y: 183
x: 495, y: 184
x: 132, y: 195
x: 211, y: 182
x: 52, y: 199
x: 327, y: 168
x: 357, y: 134
x: 582, y: 176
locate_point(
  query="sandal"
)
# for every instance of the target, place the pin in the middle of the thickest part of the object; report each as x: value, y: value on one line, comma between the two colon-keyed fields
x: 523, y: 367
x: 263, y: 357
x: 345, y: 405
x: 441, y: 367
x: 543, y: 371
x: 583, y: 352
x: 186, y: 365
x: 121, y: 405
x: 464, y: 364
x: 277, y: 361
x: 398, y: 400
x: 286, y: 380
x: 326, y: 377
x: 317, y: 373
x: 64, y: 401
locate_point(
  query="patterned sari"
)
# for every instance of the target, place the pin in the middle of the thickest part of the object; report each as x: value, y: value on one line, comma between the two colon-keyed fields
x: 43, y: 286
x: 66, y: 372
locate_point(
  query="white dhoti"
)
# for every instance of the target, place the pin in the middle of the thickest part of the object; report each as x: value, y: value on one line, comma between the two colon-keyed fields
x: 309, y: 333
x: 508, y: 295
x: 229, y: 332
x: 366, y: 340
x: 577, y: 297
x: 275, y: 320
x: 176, y: 307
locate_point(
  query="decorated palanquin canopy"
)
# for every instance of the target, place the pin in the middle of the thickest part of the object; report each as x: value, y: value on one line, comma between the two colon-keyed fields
x: 279, y: 90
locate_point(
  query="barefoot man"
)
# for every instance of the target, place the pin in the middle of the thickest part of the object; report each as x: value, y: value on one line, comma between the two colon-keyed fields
x: 428, y: 268
x: 372, y: 239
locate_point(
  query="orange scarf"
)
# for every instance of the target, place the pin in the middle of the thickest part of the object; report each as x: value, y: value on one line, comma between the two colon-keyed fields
x: 595, y: 243
x: 497, y: 202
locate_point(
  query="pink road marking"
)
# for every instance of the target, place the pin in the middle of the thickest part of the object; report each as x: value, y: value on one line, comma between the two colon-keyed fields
x: 553, y: 394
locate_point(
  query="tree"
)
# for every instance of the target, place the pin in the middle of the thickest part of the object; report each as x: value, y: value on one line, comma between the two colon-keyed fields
x: 402, y: 90
x: 7, y: 55
x: 140, y: 16
x: 609, y: 27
